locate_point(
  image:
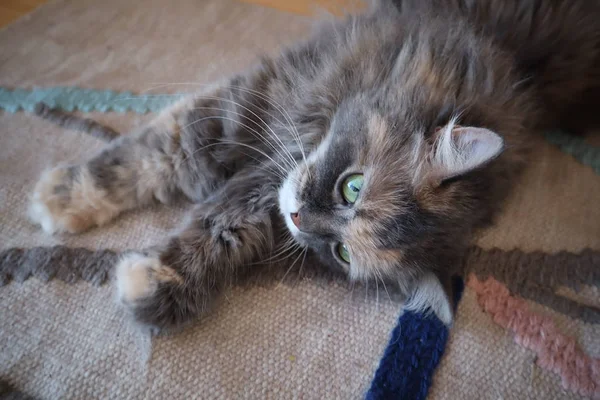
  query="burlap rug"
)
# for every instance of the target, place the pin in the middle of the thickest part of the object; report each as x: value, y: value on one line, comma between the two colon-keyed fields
x: 305, y: 341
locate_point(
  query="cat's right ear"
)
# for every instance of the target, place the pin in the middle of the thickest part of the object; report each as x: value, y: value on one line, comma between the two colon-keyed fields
x: 458, y: 150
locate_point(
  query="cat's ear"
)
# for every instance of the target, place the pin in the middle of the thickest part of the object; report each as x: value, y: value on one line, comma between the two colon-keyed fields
x: 461, y: 149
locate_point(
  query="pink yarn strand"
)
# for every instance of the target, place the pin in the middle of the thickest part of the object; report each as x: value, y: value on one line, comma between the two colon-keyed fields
x: 556, y: 352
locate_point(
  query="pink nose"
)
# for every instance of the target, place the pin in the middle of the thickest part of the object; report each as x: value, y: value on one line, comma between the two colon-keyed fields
x: 296, y: 219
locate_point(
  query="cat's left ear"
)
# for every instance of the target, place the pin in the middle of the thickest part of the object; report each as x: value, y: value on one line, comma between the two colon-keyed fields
x: 461, y: 149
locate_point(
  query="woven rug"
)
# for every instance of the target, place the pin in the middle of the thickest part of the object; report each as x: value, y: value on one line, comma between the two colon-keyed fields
x: 527, y: 326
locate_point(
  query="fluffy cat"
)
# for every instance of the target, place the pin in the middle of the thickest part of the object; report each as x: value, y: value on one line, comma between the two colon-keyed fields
x: 380, y: 145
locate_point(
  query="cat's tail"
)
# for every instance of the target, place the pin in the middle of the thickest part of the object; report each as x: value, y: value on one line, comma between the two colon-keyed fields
x: 74, y: 122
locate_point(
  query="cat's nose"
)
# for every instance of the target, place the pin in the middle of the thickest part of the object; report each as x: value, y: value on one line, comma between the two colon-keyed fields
x: 296, y: 219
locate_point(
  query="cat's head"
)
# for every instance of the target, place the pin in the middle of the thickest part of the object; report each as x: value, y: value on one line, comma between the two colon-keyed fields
x: 384, y: 200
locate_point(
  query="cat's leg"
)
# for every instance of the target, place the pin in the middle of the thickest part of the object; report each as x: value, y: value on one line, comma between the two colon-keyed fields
x: 175, y: 156
x: 133, y: 170
x: 166, y: 288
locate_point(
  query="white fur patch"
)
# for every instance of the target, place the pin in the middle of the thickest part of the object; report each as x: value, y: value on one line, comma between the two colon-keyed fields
x: 321, y: 150
x: 430, y: 296
x: 134, y: 274
x: 288, y: 192
x: 39, y: 214
x: 288, y: 203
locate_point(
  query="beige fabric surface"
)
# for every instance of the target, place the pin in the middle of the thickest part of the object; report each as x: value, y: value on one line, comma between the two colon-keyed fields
x: 554, y: 207
x: 59, y: 341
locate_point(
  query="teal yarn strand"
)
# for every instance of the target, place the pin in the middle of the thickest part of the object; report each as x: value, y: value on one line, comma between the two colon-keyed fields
x: 85, y: 100
x: 577, y: 148
x: 72, y: 98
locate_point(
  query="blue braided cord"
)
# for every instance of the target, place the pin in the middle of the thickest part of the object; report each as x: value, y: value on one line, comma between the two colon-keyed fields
x: 412, y: 355
x: 86, y: 100
x: 577, y: 148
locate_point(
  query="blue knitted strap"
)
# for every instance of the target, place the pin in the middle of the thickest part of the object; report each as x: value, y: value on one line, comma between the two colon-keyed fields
x: 86, y: 100
x: 412, y: 355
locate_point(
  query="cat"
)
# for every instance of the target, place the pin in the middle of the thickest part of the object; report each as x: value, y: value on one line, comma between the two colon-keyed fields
x: 379, y: 145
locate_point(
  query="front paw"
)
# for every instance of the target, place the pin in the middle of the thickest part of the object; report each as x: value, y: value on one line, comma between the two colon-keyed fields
x: 138, y: 278
x: 65, y: 199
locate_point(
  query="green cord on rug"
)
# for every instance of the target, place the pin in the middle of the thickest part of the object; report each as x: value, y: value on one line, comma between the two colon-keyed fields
x: 72, y: 98
x: 86, y: 100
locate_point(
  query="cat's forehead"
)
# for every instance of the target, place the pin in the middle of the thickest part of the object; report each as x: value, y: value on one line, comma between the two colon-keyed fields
x: 367, y: 146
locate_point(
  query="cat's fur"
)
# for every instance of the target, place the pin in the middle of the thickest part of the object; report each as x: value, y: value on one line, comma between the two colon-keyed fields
x: 432, y: 100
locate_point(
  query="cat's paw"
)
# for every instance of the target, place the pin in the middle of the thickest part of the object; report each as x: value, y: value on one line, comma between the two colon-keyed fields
x: 138, y: 277
x: 65, y: 200
x: 150, y: 292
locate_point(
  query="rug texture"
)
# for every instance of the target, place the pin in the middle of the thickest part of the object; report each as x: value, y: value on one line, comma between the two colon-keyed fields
x: 527, y: 326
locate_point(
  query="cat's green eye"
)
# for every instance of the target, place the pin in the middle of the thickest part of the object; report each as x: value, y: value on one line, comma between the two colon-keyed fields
x: 351, y: 187
x: 343, y: 252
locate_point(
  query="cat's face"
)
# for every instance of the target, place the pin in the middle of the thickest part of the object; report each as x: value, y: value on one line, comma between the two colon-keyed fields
x: 378, y: 196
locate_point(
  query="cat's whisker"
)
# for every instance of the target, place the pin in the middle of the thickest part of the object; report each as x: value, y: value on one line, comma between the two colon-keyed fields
x: 384, y: 287
x: 290, y: 268
x: 270, y: 130
x: 262, y: 165
x: 285, y: 248
x: 302, y: 264
x: 252, y: 130
x: 260, y: 95
x: 289, y: 253
x: 282, y: 173
x: 153, y: 96
x: 222, y: 141
x: 293, y: 130
x: 376, y: 295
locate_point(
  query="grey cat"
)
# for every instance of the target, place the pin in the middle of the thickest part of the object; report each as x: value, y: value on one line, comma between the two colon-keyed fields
x: 379, y: 145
